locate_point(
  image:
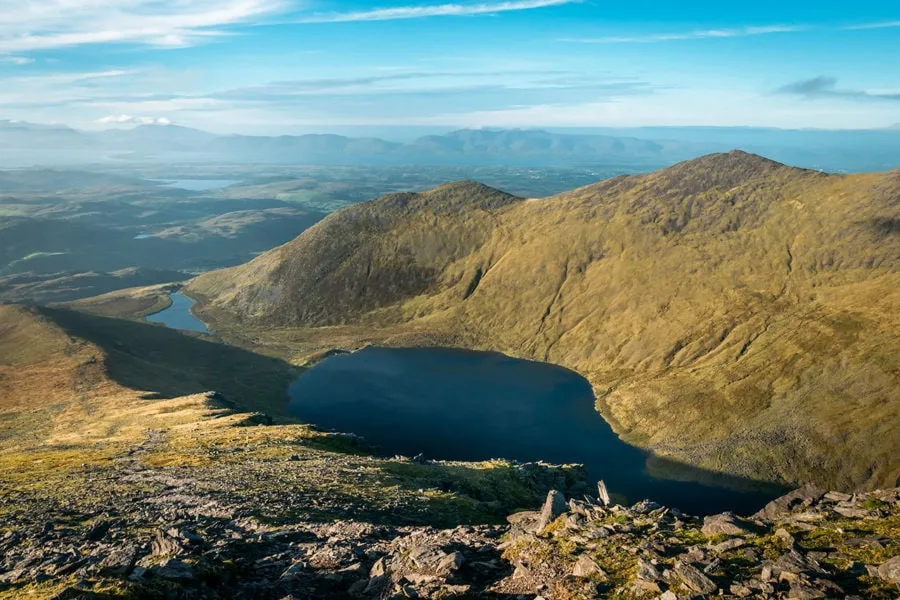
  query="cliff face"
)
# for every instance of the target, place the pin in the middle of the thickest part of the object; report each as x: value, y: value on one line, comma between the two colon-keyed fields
x: 730, y: 311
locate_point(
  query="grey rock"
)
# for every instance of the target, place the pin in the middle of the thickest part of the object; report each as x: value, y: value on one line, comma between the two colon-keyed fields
x: 98, y: 530
x: 554, y: 506
x: 723, y: 523
x: 694, y: 579
x: 837, y: 496
x: 890, y: 570
x: 802, y: 591
x: 174, y: 570
x: 166, y: 545
x: 727, y: 545
x: 450, y: 563
x: 379, y: 568
x: 783, y: 506
x: 525, y: 520
x: 294, y: 570
x: 782, y: 534
x: 603, y: 493
x: 643, y: 587
x: 575, y: 521
x: 647, y: 571
x: 120, y: 561
x: 585, y: 566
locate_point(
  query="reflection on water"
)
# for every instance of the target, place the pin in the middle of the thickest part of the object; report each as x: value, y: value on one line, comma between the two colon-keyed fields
x: 461, y: 405
x: 178, y: 315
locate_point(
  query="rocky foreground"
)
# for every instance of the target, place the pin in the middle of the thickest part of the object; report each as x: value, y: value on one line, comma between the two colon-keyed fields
x: 188, y: 543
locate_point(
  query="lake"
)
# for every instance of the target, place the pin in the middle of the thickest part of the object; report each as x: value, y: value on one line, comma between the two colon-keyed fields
x: 462, y: 405
x: 197, y: 185
x: 178, y: 315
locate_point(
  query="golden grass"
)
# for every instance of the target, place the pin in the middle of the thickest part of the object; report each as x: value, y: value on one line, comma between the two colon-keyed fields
x: 731, y: 312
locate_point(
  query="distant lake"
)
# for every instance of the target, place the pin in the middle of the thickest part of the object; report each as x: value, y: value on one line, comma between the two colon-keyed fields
x: 461, y: 405
x: 178, y: 315
x: 197, y: 185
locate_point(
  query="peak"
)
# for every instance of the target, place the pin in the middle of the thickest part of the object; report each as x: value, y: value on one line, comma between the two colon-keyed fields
x: 733, y: 166
x: 735, y: 158
x: 454, y: 196
x: 465, y: 185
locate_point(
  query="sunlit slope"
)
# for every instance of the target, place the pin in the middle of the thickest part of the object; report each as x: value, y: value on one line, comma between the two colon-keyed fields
x: 730, y: 311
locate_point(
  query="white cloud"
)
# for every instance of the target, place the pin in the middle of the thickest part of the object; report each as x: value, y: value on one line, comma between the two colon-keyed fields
x: 132, y: 120
x: 698, y: 34
x: 16, y: 60
x: 436, y: 10
x: 45, y: 24
x: 876, y: 25
x: 75, y: 77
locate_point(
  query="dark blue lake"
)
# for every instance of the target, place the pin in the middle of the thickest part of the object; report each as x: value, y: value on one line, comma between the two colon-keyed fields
x: 461, y: 405
x: 178, y: 315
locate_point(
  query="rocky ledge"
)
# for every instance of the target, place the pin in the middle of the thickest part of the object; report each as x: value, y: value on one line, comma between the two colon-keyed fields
x: 809, y: 544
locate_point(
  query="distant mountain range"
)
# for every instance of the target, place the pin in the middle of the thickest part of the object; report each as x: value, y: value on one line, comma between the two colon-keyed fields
x: 641, y: 148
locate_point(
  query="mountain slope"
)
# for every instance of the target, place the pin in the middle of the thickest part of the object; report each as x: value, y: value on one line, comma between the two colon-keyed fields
x: 730, y: 311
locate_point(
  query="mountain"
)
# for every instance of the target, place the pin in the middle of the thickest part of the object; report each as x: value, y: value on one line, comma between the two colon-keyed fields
x: 637, y: 149
x: 731, y: 312
x: 154, y: 138
x: 33, y: 136
x: 536, y: 146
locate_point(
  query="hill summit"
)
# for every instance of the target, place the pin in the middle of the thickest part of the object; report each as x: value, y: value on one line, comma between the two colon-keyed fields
x: 731, y: 312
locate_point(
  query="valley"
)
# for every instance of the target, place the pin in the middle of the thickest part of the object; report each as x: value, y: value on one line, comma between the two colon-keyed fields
x: 731, y: 313
x: 721, y: 313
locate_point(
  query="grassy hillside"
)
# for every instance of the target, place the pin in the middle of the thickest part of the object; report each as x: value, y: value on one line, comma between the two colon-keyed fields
x: 106, y: 422
x: 730, y: 311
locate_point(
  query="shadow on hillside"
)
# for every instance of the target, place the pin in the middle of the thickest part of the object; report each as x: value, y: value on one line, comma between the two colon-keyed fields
x: 169, y: 363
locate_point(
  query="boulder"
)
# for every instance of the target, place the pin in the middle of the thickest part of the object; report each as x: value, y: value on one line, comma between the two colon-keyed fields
x: 554, y: 506
x: 783, y: 506
x: 782, y: 534
x: 586, y: 567
x: 603, y: 493
x: 165, y: 544
x: 694, y: 579
x: 724, y: 523
x: 98, y: 530
x: 120, y: 561
x: 890, y: 570
x: 174, y: 570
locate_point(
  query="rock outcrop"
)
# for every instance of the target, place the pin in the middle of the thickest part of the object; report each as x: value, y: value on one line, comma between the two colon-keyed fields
x: 582, y: 548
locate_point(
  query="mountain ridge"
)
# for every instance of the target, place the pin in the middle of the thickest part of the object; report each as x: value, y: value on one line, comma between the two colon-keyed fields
x: 730, y: 311
x: 635, y: 148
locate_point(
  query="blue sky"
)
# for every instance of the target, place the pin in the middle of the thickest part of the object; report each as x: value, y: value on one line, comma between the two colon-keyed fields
x: 270, y: 66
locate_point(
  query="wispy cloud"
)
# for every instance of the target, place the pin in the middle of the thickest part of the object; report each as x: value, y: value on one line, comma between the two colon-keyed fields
x: 16, y: 60
x: 54, y: 24
x: 132, y: 120
x: 826, y: 87
x: 697, y: 34
x: 436, y: 10
x: 876, y: 25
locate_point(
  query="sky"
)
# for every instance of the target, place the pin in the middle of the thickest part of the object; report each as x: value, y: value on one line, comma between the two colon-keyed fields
x: 287, y: 66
